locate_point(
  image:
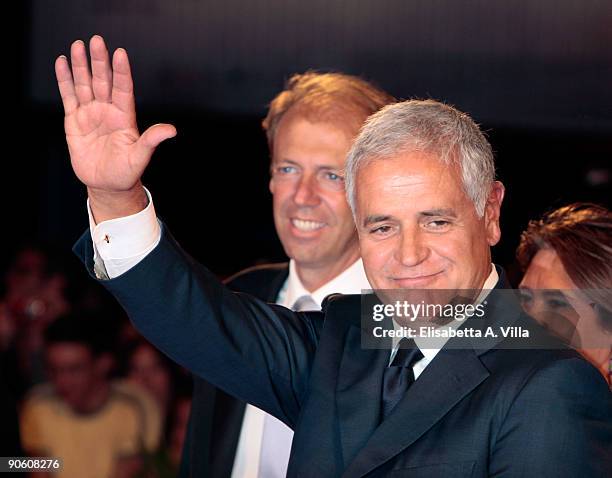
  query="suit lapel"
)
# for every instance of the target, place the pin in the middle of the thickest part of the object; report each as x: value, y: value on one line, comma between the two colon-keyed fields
x: 277, y: 284
x: 358, y: 392
x: 447, y: 379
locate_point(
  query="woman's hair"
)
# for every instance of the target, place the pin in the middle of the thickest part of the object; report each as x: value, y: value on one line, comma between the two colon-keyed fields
x: 581, y: 235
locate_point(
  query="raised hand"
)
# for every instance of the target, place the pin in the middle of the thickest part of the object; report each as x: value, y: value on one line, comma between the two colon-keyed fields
x: 107, y: 152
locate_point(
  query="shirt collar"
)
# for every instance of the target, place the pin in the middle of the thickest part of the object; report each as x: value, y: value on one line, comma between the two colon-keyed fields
x: 489, y: 284
x: 350, y: 281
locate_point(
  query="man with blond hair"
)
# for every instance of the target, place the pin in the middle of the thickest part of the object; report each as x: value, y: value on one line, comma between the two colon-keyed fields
x: 309, y: 127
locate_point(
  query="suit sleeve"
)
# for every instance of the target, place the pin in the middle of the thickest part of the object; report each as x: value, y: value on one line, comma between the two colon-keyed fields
x: 258, y: 352
x: 559, y: 425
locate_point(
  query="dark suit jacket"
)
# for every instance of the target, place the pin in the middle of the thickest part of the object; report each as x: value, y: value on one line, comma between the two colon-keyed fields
x: 216, y: 417
x: 482, y: 411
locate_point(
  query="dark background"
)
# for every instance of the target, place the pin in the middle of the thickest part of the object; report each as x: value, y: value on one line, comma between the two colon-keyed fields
x: 537, y: 75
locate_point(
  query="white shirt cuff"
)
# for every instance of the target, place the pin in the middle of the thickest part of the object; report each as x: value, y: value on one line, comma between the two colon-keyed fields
x: 119, y: 244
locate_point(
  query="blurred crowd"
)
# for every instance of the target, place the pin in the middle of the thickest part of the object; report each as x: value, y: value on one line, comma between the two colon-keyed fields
x: 77, y: 381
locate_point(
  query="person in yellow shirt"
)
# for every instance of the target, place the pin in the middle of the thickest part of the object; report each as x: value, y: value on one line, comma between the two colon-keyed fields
x: 96, y: 427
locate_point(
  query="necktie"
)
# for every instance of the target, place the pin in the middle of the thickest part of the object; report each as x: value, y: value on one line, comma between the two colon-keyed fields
x: 399, y: 375
x: 277, y: 437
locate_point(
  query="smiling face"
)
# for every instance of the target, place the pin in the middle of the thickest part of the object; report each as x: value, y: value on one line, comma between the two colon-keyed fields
x: 417, y: 227
x: 312, y: 217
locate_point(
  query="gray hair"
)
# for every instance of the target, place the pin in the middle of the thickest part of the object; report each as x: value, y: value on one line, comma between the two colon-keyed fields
x: 428, y: 126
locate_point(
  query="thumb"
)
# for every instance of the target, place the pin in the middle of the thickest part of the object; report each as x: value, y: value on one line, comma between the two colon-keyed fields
x: 149, y: 140
x: 154, y: 135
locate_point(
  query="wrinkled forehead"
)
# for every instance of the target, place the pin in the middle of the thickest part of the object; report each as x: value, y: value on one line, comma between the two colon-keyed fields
x: 408, y: 168
x: 414, y: 187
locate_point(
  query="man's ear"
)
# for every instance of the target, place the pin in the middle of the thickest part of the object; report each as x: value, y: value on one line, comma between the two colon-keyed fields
x: 492, y: 212
x: 271, y: 184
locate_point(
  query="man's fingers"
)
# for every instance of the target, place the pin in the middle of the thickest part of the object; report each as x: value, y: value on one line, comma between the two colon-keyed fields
x: 80, y: 72
x: 123, y: 86
x: 66, y: 85
x: 102, y: 75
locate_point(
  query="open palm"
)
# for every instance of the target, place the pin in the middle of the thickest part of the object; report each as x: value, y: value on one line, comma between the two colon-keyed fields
x: 106, y: 150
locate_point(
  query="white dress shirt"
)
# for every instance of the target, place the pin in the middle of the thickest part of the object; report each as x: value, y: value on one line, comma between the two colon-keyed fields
x: 120, y: 244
